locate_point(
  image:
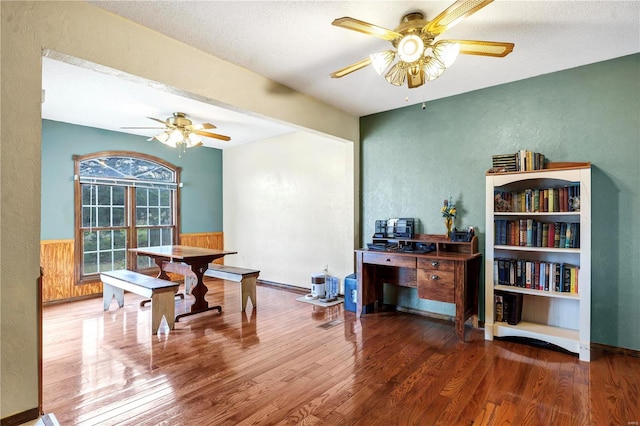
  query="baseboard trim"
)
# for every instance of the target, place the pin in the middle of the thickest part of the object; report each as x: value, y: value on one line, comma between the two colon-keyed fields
x: 615, y: 350
x: 20, y: 418
x: 287, y: 287
x: 434, y: 315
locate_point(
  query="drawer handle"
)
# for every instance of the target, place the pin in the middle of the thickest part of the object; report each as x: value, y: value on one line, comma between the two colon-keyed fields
x: 388, y: 260
x: 434, y: 263
x: 435, y: 277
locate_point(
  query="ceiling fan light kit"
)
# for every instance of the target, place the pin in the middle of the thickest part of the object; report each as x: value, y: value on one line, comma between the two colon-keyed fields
x: 419, y: 57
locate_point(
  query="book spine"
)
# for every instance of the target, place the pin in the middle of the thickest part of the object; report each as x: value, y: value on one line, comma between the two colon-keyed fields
x: 563, y: 235
x: 556, y: 238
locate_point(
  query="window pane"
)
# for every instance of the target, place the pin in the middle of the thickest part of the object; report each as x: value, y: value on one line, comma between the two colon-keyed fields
x: 154, y: 237
x: 119, y: 259
x: 144, y: 262
x: 88, y: 195
x: 141, y: 216
x: 119, y: 216
x: 118, y: 195
x: 90, y: 265
x: 89, y: 217
x: 106, y: 261
x: 165, y: 198
x: 165, y: 216
x: 90, y: 241
x: 104, y: 216
x: 141, y: 197
x: 120, y: 239
x: 143, y: 238
x: 104, y: 240
x: 167, y: 236
x: 154, y: 216
x: 153, y: 197
x: 104, y: 195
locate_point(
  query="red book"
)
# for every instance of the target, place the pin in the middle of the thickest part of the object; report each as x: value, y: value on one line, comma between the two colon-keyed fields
x: 551, y: 236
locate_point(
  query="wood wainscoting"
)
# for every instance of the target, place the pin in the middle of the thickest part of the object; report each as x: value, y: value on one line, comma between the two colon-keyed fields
x: 56, y: 260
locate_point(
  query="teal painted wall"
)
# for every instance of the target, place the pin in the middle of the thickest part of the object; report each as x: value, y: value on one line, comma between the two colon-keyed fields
x: 201, y: 194
x: 413, y: 158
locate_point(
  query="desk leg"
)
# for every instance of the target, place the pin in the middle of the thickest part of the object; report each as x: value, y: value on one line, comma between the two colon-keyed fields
x: 360, y: 278
x: 199, y: 291
x: 460, y: 294
x: 369, y: 287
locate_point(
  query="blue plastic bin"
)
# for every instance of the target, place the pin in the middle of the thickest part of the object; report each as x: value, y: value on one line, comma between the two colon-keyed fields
x: 350, y: 292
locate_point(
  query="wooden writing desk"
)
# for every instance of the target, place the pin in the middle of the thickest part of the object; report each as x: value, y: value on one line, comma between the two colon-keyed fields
x: 450, y: 273
x: 197, y: 258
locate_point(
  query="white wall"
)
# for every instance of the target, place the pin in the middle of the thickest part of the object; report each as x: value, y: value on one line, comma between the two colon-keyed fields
x: 84, y: 31
x: 288, y: 207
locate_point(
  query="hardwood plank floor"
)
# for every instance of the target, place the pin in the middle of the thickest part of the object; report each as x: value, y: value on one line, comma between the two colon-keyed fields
x: 276, y: 365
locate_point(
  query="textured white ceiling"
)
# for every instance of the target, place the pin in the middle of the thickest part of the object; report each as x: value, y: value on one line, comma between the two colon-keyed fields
x: 294, y: 43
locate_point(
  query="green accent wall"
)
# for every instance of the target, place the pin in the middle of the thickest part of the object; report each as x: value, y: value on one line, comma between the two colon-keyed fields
x: 413, y: 158
x: 201, y: 195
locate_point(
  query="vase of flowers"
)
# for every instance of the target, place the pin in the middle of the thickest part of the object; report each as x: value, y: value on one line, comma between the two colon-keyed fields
x: 449, y: 213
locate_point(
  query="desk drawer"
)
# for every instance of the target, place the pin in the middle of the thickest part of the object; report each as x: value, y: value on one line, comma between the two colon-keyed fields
x: 436, y: 264
x: 389, y: 259
x: 436, y: 285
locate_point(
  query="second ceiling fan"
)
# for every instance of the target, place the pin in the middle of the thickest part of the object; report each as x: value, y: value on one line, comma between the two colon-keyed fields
x: 420, y: 57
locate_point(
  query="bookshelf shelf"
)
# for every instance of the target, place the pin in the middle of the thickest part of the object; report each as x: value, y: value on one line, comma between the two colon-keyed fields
x: 536, y: 214
x: 563, y: 337
x: 562, y: 318
x: 539, y: 249
x: 532, y: 292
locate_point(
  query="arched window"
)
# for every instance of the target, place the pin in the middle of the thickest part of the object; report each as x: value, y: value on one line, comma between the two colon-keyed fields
x: 122, y: 200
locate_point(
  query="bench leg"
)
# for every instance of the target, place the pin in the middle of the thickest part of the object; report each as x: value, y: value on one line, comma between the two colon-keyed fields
x: 162, y: 305
x: 248, y: 290
x: 109, y: 292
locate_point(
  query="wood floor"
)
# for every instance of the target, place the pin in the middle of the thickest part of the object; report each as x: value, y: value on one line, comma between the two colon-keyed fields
x: 294, y: 363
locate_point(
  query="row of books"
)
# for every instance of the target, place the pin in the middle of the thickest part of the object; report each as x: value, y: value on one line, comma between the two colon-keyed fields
x: 564, y: 199
x: 536, y: 275
x: 529, y: 160
x: 531, y: 233
x: 521, y: 161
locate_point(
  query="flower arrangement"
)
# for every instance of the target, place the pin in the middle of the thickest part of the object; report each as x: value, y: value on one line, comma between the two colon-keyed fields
x: 448, y: 209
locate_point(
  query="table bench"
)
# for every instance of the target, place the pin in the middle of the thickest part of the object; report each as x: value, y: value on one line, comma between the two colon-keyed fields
x: 161, y: 292
x: 246, y: 277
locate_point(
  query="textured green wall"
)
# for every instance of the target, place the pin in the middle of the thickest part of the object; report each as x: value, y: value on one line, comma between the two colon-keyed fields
x: 201, y: 194
x: 413, y: 158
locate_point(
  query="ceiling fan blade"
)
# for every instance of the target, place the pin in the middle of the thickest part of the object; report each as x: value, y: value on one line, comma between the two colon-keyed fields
x: 366, y: 28
x: 454, y: 14
x: 142, y: 128
x: 212, y: 135
x: 484, y: 48
x: 160, y: 121
x: 351, y: 68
